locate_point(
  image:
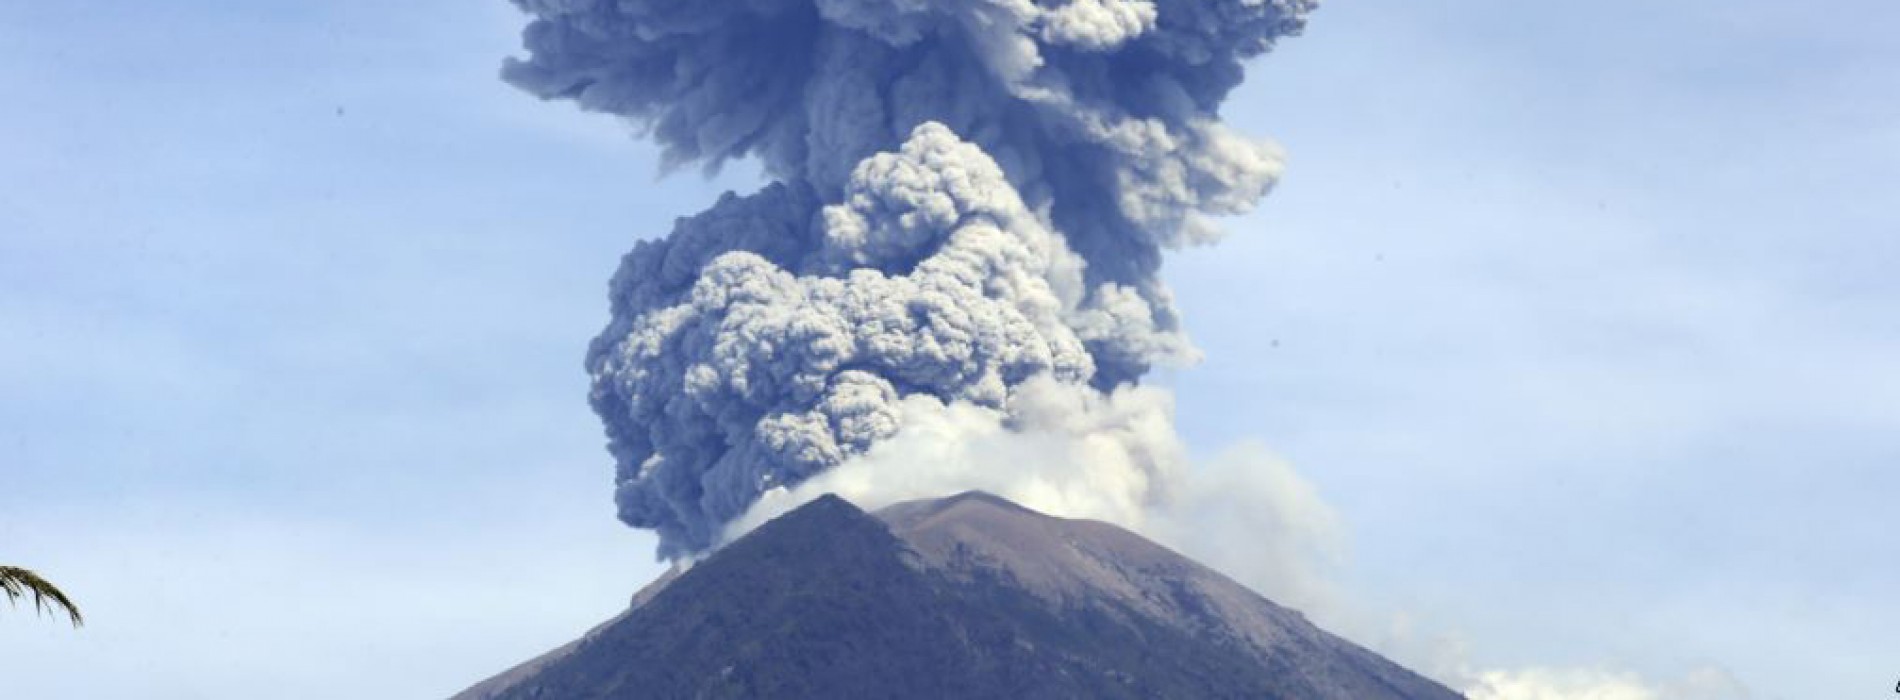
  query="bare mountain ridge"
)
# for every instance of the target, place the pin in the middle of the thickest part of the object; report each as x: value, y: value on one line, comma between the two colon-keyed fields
x: 969, y: 596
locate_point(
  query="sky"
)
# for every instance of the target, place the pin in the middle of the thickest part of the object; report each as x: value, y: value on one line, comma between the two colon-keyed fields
x: 1581, y: 318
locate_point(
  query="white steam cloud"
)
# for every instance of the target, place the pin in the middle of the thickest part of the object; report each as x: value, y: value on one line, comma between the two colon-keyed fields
x: 1071, y: 451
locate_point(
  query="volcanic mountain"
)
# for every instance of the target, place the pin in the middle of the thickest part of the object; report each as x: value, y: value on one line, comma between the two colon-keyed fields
x: 970, y: 596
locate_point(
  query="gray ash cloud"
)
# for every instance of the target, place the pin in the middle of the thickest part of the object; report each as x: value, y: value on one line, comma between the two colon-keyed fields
x: 968, y: 197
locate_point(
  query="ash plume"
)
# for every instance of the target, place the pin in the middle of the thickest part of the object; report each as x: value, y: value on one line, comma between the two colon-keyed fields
x: 969, y: 204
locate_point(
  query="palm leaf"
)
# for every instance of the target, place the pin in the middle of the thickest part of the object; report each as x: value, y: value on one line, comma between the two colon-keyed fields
x: 18, y: 583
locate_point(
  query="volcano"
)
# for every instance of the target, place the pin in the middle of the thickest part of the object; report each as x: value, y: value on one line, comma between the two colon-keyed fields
x: 970, y: 596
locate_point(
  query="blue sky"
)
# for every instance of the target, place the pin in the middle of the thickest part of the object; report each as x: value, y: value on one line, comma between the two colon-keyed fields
x: 1581, y: 316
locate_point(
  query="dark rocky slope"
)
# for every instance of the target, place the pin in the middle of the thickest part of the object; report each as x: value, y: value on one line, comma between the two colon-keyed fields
x: 965, y: 597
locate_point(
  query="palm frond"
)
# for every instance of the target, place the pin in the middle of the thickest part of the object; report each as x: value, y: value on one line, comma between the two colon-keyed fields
x: 18, y: 583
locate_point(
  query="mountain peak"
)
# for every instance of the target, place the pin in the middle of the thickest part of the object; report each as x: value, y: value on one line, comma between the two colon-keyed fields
x: 979, y: 496
x: 969, y: 596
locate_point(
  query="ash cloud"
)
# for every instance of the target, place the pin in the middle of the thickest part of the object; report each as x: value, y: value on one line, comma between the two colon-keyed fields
x: 969, y: 205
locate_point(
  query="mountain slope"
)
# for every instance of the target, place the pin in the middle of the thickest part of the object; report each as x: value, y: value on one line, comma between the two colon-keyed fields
x: 965, y: 597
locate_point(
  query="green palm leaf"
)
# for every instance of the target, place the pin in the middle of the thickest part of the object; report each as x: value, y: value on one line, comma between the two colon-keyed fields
x: 18, y: 583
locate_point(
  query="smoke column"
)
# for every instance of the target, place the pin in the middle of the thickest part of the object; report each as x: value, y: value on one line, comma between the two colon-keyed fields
x: 955, y: 262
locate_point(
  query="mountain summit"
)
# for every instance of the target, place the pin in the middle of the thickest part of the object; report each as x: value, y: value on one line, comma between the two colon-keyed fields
x: 970, y: 596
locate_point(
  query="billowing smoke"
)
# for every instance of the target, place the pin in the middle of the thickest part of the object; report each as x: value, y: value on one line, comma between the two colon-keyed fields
x: 962, y: 238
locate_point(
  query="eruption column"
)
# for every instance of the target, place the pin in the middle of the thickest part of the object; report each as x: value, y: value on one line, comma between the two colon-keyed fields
x: 968, y: 208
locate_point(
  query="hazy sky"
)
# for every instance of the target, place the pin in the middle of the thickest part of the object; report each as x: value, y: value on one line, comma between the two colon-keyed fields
x: 1582, y: 316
